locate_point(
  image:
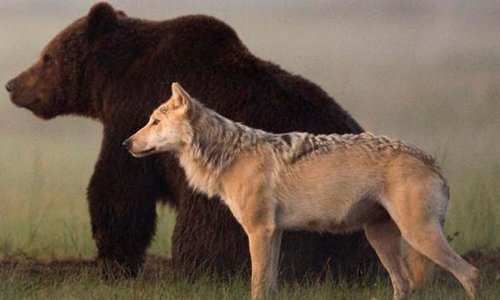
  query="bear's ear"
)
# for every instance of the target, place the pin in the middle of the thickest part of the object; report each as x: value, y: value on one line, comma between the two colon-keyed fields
x: 101, y: 19
x: 180, y: 97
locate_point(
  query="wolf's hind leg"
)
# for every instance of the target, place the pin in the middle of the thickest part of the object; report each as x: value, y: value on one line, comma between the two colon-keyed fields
x: 418, y: 205
x: 385, y: 238
x: 428, y: 238
x: 419, y: 266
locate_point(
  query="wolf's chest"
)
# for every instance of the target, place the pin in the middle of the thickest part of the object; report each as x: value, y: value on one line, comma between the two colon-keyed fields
x: 234, y: 207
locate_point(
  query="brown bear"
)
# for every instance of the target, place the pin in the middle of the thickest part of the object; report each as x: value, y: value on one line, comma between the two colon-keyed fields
x: 117, y: 69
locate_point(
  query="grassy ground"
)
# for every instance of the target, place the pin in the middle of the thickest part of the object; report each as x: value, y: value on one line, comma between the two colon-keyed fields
x: 426, y: 75
x: 80, y: 280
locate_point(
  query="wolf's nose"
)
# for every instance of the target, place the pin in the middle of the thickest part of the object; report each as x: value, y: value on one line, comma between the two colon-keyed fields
x: 10, y: 86
x: 127, y: 145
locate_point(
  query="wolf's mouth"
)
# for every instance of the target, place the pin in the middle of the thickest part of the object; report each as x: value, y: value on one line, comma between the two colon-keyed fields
x: 146, y: 151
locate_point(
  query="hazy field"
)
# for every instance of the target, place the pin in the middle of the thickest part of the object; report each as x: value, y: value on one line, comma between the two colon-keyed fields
x: 427, y: 74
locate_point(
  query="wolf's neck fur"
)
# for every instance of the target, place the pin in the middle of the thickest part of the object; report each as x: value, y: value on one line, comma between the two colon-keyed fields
x: 214, y: 144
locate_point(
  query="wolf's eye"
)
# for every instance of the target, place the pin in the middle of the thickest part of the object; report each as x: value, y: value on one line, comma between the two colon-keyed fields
x: 155, y: 122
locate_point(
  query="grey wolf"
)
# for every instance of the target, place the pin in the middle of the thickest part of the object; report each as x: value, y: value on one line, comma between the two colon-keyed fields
x: 335, y: 183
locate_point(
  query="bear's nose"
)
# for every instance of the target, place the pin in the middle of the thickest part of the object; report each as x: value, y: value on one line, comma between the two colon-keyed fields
x: 10, y: 86
x: 127, y: 144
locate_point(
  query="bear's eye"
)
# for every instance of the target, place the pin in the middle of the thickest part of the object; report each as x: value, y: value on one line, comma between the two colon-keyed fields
x: 47, y: 59
x: 155, y: 122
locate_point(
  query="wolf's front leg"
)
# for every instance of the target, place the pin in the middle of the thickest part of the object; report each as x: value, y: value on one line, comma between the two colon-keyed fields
x: 275, y: 257
x: 264, y: 271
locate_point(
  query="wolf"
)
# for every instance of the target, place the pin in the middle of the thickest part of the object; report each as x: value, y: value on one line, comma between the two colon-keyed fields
x: 335, y: 183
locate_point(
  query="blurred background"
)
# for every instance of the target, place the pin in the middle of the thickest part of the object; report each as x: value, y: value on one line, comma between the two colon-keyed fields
x: 427, y: 72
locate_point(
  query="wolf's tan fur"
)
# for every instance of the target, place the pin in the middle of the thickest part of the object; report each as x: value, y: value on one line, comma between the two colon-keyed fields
x: 335, y: 183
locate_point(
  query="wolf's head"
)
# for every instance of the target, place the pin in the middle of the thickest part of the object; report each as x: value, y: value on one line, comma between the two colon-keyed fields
x: 168, y: 128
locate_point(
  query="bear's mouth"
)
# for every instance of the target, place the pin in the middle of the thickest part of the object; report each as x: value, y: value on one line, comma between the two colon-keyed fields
x: 18, y: 101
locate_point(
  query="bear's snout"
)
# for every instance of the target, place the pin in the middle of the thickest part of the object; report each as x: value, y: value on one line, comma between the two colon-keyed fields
x: 10, y: 86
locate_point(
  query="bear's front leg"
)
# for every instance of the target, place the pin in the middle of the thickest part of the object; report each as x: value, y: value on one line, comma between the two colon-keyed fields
x: 207, y: 239
x: 121, y: 197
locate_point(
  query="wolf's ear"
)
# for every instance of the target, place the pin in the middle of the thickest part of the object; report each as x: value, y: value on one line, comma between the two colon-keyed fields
x: 101, y: 20
x: 180, y: 97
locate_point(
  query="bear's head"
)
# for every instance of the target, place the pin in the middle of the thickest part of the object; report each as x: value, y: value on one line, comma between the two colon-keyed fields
x: 57, y: 84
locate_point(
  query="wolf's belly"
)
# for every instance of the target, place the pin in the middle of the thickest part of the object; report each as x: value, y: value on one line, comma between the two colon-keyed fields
x: 332, y: 216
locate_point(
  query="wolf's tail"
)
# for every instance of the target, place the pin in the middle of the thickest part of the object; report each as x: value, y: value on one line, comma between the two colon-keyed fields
x: 418, y: 266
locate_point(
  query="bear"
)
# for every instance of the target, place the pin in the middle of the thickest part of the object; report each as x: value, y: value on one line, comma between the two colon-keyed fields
x: 116, y: 69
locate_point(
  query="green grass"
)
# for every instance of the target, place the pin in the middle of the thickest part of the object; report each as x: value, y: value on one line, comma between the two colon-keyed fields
x: 430, y: 78
x: 87, y: 284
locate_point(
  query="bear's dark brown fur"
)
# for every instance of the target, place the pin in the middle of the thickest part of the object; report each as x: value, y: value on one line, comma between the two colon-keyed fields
x: 117, y: 69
